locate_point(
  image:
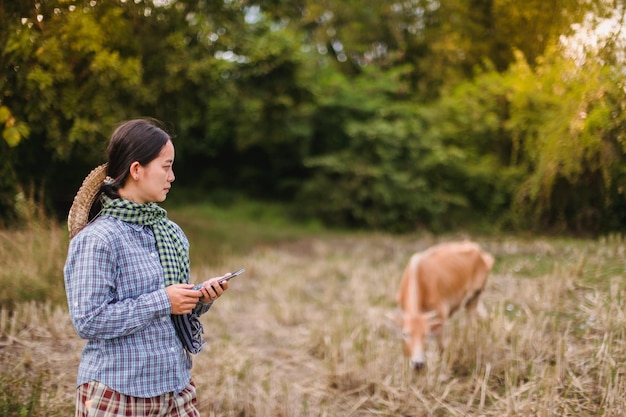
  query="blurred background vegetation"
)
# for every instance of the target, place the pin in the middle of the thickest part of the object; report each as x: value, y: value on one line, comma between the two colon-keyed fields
x: 392, y: 116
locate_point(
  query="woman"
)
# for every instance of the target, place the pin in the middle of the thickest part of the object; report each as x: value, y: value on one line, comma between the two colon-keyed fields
x: 127, y: 283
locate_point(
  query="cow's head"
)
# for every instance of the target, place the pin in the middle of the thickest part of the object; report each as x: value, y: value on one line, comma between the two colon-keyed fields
x: 415, y: 327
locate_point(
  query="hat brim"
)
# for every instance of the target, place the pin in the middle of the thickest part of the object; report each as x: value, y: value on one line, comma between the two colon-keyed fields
x: 78, y: 216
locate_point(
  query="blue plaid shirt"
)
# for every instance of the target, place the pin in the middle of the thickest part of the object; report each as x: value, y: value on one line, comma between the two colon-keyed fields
x: 117, y: 301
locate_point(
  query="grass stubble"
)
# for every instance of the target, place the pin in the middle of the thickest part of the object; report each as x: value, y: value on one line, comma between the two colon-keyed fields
x: 303, y: 332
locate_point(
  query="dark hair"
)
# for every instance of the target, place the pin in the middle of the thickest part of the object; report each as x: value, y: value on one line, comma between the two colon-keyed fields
x: 138, y: 140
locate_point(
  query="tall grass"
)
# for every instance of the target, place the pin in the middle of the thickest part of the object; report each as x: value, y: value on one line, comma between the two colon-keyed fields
x: 303, y: 331
x: 31, y: 262
x: 305, y: 335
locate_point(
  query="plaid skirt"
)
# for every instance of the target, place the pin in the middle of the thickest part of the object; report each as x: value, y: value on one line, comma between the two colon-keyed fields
x: 94, y: 399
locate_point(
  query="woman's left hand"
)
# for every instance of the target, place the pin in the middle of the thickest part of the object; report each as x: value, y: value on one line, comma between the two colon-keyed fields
x: 212, y: 290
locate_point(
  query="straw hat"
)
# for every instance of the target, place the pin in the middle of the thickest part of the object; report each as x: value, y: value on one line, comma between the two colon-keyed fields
x: 78, y: 216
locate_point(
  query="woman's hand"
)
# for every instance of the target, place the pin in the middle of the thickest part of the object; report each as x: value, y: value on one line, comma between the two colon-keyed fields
x: 182, y: 298
x: 212, y: 290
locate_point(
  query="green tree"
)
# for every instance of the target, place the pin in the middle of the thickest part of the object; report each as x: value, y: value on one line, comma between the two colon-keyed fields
x: 400, y: 166
x: 68, y: 77
x: 567, y: 122
x: 383, y: 115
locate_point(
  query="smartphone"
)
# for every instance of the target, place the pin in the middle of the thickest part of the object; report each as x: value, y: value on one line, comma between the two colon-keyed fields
x: 233, y: 275
x: 219, y: 281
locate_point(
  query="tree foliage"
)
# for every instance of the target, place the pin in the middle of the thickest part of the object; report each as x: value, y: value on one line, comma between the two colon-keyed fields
x: 566, y: 121
x: 369, y: 114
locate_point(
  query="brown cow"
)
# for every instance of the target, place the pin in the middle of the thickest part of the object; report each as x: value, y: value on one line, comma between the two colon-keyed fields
x: 435, y: 284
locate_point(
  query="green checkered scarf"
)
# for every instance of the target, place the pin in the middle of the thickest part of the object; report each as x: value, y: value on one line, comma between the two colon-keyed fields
x: 173, y: 254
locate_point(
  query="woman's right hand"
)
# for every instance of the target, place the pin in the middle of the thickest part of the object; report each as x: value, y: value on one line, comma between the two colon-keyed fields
x: 182, y: 298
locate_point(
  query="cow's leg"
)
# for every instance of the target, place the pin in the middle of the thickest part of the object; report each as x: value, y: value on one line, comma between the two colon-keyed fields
x: 475, y: 306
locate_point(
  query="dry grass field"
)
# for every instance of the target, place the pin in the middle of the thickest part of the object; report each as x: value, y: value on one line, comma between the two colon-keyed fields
x: 303, y: 333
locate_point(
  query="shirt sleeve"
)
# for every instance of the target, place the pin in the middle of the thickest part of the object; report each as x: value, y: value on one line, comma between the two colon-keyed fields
x: 96, y: 312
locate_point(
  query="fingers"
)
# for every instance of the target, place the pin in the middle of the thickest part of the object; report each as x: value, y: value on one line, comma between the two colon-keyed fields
x: 215, y: 288
x: 212, y: 290
x: 182, y: 298
x: 206, y: 295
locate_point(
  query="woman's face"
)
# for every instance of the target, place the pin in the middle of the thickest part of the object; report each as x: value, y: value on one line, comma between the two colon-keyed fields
x: 154, y: 180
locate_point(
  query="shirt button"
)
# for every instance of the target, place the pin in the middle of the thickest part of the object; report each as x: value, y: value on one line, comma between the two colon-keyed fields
x: 163, y: 318
x: 172, y: 349
x: 153, y: 254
